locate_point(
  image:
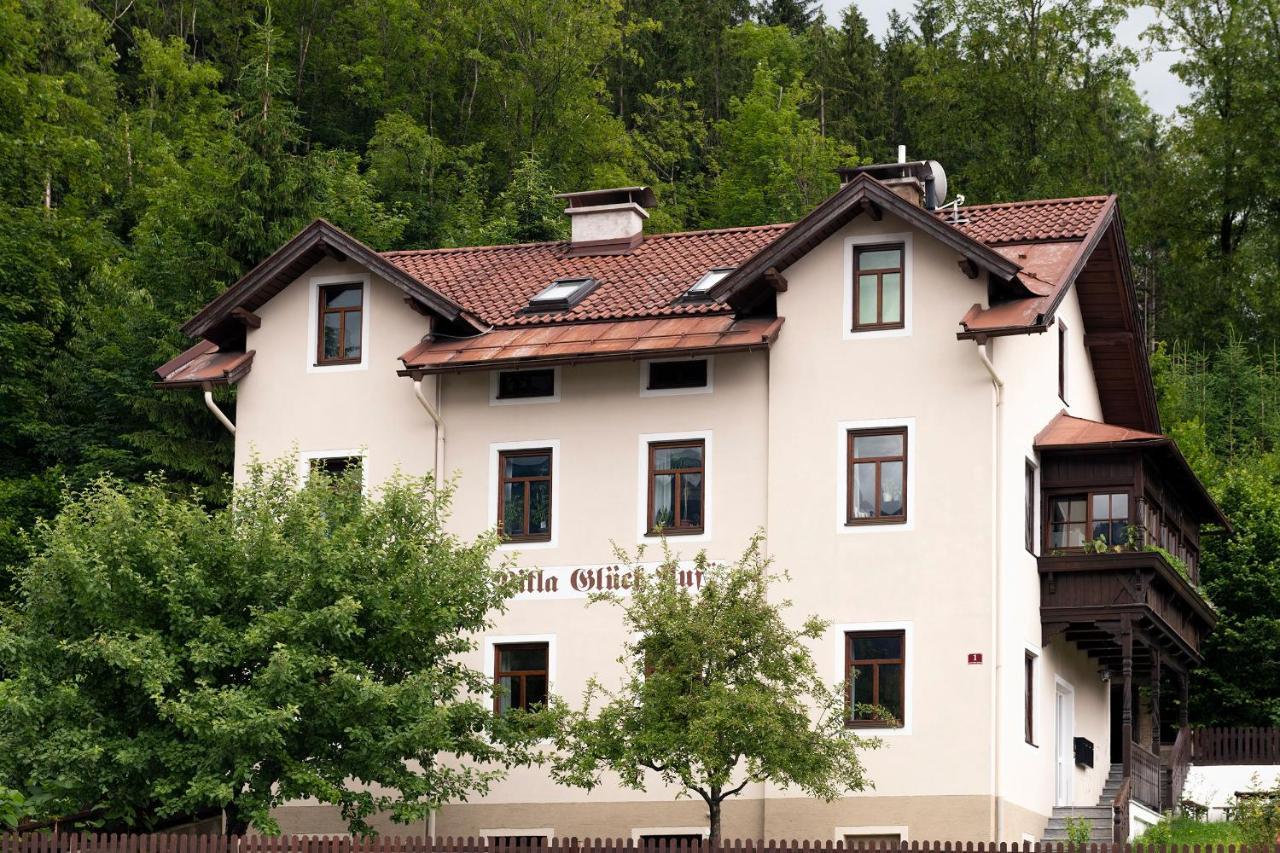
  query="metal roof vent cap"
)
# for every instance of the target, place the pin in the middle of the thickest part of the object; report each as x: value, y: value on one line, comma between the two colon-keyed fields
x: 607, y: 222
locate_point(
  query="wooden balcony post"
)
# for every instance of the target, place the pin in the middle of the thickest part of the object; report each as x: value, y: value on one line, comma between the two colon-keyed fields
x: 1184, y: 699
x: 1126, y: 717
x: 1155, y: 718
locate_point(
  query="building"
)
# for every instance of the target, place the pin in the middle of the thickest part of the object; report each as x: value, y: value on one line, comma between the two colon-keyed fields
x: 943, y: 420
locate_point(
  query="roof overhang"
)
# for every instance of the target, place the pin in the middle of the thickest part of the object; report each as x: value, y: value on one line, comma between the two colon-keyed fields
x: 203, y: 366
x: 319, y: 239
x: 748, y: 284
x: 542, y: 346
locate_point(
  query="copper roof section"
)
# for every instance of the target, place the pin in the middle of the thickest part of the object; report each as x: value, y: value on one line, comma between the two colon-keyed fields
x: 1069, y: 433
x: 559, y: 344
x: 204, y: 365
x: 495, y: 283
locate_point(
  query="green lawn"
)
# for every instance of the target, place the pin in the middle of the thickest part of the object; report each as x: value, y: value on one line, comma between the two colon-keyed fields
x: 1187, y: 830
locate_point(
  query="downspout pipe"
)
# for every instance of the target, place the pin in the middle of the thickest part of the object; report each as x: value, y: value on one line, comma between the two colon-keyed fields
x: 434, y: 412
x: 985, y: 348
x: 212, y: 406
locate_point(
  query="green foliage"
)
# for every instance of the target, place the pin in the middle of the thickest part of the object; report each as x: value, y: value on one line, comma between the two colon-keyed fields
x: 167, y: 658
x: 13, y: 807
x: 719, y: 691
x: 1258, y: 815
x: 1182, y: 830
x: 1079, y: 831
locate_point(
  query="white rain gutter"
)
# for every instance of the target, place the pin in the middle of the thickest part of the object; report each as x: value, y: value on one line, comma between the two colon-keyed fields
x: 434, y: 412
x: 984, y: 355
x: 218, y: 413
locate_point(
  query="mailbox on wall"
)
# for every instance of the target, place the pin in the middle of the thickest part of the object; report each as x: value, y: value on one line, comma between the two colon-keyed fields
x: 1084, y: 751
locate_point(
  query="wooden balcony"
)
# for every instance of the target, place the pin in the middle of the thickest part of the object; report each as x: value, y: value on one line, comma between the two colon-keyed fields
x: 1090, y: 598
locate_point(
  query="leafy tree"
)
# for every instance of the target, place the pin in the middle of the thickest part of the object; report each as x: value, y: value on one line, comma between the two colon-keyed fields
x: 166, y: 658
x: 772, y: 163
x: 719, y: 691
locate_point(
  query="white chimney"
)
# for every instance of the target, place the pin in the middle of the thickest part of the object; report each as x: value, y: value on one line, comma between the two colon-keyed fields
x: 607, y: 222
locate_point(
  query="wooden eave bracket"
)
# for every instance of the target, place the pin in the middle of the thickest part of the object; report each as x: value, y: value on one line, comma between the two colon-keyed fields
x: 247, y: 317
x: 776, y: 280
x: 873, y: 210
x: 968, y: 267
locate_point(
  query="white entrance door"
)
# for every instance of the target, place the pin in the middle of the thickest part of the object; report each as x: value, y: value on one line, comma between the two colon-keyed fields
x: 1064, y: 731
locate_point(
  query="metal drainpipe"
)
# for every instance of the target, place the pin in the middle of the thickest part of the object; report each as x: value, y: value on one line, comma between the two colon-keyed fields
x: 434, y: 412
x: 998, y: 384
x: 217, y: 413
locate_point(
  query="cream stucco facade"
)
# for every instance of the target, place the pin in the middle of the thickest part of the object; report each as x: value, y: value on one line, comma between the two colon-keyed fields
x: 956, y: 577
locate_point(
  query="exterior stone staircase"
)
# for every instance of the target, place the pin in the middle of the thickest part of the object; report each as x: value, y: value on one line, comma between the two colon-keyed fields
x: 1099, y: 816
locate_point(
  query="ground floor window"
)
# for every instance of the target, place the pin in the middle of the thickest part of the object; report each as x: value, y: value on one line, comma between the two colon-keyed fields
x: 875, y: 672
x: 852, y: 841
x: 520, y: 673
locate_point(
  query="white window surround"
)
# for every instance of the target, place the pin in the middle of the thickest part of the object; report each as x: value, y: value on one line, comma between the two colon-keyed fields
x: 523, y: 401
x: 306, y: 457
x: 646, y: 391
x: 494, y: 450
x: 842, y: 831
x: 842, y: 478
x: 491, y: 642
x: 547, y: 832
x: 1036, y: 532
x: 909, y: 654
x: 642, y: 492
x: 846, y: 316
x: 639, y: 831
x: 313, y: 321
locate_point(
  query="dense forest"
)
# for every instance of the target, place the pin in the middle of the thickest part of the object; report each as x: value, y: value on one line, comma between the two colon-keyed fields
x: 153, y: 150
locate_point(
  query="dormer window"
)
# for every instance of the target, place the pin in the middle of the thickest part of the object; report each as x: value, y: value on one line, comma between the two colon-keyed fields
x: 562, y: 294
x: 703, y: 286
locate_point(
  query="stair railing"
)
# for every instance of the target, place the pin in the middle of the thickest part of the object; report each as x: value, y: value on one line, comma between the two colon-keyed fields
x: 1179, y: 767
x: 1120, y: 812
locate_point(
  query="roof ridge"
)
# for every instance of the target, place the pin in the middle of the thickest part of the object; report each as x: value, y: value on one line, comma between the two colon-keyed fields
x: 734, y: 229
x: 495, y: 247
x: 1036, y: 201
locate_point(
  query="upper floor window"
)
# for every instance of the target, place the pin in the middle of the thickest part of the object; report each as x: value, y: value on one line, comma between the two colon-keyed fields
x: 537, y: 384
x: 679, y: 375
x: 524, y: 495
x: 878, y: 288
x: 1029, y: 510
x: 877, y: 476
x: 520, y: 675
x: 875, y: 672
x: 1078, y: 520
x: 341, y: 316
x: 1029, y: 697
x: 676, y: 486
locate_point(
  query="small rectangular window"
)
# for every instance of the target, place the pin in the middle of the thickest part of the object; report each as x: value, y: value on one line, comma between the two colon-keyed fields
x: 877, y: 476
x: 520, y: 674
x: 518, y: 842
x: 1062, y: 361
x: 1078, y: 520
x: 670, y: 375
x: 876, y: 674
x: 878, y: 288
x: 871, y: 841
x: 676, y: 484
x: 562, y: 294
x: 341, y: 315
x: 341, y: 471
x: 1029, y: 695
x: 1029, y: 511
x: 708, y: 281
x: 524, y: 495
x: 526, y: 384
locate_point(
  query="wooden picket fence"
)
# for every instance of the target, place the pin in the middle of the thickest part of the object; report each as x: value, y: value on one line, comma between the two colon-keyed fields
x: 40, y: 842
x: 1235, y: 745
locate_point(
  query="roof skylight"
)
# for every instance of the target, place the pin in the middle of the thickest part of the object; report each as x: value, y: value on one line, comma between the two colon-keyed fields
x: 708, y: 281
x: 562, y: 294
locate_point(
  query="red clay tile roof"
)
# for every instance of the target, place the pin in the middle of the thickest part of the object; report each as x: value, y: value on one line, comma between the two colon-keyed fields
x: 1030, y: 221
x: 496, y: 282
x: 573, y: 341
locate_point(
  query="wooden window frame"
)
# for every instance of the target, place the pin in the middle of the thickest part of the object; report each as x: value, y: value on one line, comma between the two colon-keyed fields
x: 676, y: 529
x: 849, y: 661
x: 323, y: 311
x: 850, y: 519
x: 503, y: 480
x: 499, y: 673
x: 1062, y: 361
x: 1029, y: 696
x: 1059, y: 494
x: 1029, y: 511
x: 855, y: 324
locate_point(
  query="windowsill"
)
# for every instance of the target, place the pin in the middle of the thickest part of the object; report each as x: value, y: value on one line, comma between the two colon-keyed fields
x: 896, y: 327
x: 874, y: 522
x: 875, y: 726
x: 1032, y: 745
x: 652, y: 534
x: 346, y: 362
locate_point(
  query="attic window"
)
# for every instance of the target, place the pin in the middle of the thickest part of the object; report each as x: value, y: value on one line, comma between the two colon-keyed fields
x: 562, y: 294
x: 708, y: 281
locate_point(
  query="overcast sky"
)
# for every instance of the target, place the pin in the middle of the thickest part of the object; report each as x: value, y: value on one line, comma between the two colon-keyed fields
x: 1162, y: 90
